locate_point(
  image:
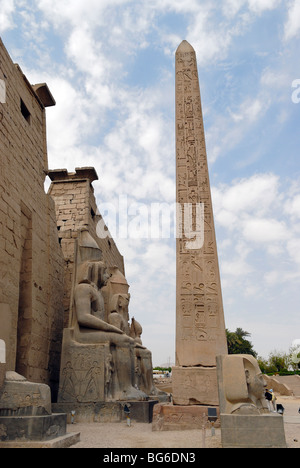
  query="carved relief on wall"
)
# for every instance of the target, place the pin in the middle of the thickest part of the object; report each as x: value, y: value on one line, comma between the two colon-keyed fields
x: 195, y: 383
x: 82, y: 375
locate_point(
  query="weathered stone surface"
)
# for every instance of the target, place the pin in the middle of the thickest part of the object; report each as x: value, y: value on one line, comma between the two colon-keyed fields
x: 26, y: 415
x: 82, y: 371
x: 20, y: 397
x: 64, y: 441
x: 194, y: 386
x: 31, y: 267
x: 168, y: 417
x: 43, y: 427
x: 246, y: 431
x: 107, y: 412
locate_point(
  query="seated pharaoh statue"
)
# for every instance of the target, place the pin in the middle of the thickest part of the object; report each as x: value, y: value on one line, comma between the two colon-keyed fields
x: 99, y: 355
x: 117, y: 291
x: 143, y: 361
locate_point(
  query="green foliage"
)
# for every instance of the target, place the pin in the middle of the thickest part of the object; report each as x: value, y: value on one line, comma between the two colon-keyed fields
x: 279, y: 363
x: 163, y: 369
x: 237, y: 343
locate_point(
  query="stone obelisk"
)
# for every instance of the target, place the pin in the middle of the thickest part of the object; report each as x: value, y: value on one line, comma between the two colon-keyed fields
x: 200, y: 326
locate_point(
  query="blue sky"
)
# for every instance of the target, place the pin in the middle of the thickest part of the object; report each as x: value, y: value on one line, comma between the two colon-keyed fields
x: 110, y: 66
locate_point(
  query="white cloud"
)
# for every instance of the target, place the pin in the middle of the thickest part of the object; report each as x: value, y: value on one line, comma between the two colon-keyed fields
x: 265, y: 231
x: 275, y: 79
x: 292, y: 26
x: 69, y: 121
x: 232, y: 125
x: 236, y: 268
x: 253, y: 195
x: 249, y: 206
x: 232, y: 7
x: 264, y: 238
x: 293, y: 247
x: 258, y: 6
x: 76, y: 12
x: 86, y: 53
x: 273, y: 277
x: 7, y: 8
x: 209, y: 41
x: 249, y: 110
x: 292, y: 207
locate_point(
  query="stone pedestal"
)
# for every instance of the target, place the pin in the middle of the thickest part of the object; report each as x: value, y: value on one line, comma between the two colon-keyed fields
x: 107, y: 412
x: 32, y: 428
x: 194, y: 386
x: 88, y: 385
x: 245, y: 418
x: 169, y: 417
x: 26, y: 417
x: 247, y: 431
x: 22, y: 398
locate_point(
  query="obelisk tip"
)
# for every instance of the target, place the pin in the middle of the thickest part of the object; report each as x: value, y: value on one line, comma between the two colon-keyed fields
x: 185, y: 46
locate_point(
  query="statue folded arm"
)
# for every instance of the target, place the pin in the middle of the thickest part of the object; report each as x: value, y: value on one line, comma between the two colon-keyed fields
x: 84, y: 296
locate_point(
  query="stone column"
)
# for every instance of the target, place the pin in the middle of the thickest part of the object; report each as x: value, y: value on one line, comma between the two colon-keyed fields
x: 200, y: 327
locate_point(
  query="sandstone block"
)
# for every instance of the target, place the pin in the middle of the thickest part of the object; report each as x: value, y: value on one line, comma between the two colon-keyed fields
x: 194, y: 386
x: 265, y: 431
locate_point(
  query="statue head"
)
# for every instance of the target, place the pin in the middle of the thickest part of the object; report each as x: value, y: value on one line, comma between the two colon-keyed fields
x: 118, y: 282
x: 93, y: 273
x: 91, y: 268
x: 241, y: 384
x: 119, y: 304
x: 88, y: 247
x: 136, y: 331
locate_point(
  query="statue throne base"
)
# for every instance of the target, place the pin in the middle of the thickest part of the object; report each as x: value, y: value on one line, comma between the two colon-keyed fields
x: 194, y: 392
x: 88, y: 391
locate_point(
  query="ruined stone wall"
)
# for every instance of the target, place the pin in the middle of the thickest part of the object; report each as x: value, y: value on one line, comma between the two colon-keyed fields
x: 76, y: 208
x: 31, y: 262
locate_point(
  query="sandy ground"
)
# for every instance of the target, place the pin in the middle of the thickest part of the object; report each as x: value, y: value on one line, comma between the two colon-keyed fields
x: 139, y: 435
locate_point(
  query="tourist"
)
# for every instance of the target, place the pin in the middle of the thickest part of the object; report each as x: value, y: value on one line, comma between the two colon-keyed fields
x: 268, y: 397
x: 273, y: 400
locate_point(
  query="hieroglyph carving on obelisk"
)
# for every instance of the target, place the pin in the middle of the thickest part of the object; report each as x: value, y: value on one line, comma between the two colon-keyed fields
x: 200, y: 327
